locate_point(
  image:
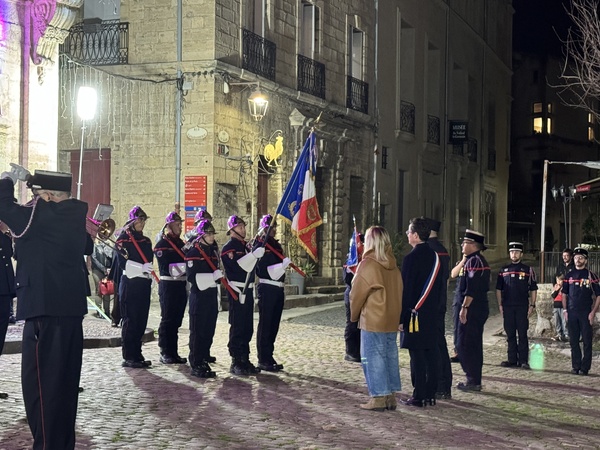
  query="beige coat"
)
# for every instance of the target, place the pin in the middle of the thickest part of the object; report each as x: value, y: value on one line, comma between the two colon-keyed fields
x: 376, y: 295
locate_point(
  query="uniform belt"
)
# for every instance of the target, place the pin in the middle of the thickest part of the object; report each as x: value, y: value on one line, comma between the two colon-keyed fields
x: 240, y: 284
x: 168, y: 278
x: 141, y: 275
x: 271, y: 282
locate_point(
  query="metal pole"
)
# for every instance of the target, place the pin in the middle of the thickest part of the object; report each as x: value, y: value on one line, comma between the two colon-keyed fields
x: 178, y: 104
x: 543, y: 230
x: 80, y: 160
x: 566, y: 227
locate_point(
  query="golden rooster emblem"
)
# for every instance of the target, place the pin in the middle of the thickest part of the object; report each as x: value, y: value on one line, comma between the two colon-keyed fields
x: 273, y: 152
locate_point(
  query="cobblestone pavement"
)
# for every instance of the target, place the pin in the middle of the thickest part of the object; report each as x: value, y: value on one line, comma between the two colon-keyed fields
x: 313, y: 403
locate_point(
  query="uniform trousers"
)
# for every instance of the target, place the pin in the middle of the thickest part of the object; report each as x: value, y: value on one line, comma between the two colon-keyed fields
x: 135, y: 307
x: 50, y: 372
x: 5, y: 310
x: 456, y: 320
x: 203, y: 322
x: 351, y: 332
x: 470, y: 343
x: 444, y: 367
x: 241, y: 325
x: 579, y: 327
x: 516, y: 323
x: 424, y: 371
x: 173, y: 300
x: 270, y: 306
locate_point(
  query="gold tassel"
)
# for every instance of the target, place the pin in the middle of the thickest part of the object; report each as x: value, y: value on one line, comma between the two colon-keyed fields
x: 410, y: 324
x: 416, y: 322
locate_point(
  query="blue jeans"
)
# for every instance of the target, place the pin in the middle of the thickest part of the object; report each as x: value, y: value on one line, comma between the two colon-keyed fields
x: 379, y: 357
x: 559, y: 323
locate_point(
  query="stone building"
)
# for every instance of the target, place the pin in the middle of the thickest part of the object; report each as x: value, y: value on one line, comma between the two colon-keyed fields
x: 386, y: 78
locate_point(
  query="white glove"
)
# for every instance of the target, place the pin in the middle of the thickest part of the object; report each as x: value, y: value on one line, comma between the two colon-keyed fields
x: 147, y: 268
x: 259, y: 252
x: 286, y: 262
x: 11, y: 176
x: 217, y: 275
x: 20, y: 172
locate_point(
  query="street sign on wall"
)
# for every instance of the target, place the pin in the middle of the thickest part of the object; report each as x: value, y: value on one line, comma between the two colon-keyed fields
x: 458, y: 131
x: 195, y: 198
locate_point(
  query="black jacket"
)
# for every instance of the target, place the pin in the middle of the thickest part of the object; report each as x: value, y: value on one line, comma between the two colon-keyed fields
x: 7, y: 273
x: 50, y: 278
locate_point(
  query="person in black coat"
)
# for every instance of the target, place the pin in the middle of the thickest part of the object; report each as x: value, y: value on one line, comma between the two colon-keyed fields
x: 50, y: 239
x: 7, y: 284
x: 135, y: 287
x: 420, y: 312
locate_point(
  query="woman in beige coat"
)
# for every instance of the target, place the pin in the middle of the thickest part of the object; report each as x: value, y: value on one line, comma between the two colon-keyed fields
x: 376, y: 303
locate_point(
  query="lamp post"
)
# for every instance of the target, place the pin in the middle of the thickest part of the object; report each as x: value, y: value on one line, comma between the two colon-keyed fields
x: 567, y: 196
x: 86, y: 109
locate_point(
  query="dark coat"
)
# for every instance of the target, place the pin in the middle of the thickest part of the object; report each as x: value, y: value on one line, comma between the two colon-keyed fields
x: 268, y: 259
x: 50, y: 278
x: 416, y: 269
x: 7, y: 273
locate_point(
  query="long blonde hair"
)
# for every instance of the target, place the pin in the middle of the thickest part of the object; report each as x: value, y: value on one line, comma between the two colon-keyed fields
x: 378, y: 239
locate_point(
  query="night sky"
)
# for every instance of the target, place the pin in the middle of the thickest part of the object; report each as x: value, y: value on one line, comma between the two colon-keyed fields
x: 539, y: 25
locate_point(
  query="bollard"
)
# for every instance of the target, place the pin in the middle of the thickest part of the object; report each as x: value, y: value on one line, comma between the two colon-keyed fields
x: 536, y: 357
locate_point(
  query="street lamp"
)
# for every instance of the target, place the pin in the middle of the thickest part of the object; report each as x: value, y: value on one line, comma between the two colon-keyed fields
x: 258, y: 104
x: 566, y: 196
x: 86, y: 110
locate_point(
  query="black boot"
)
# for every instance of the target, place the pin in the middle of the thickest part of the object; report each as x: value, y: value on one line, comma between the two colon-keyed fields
x: 203, y: 371
x: 251, y: 369
x: 238, y: 367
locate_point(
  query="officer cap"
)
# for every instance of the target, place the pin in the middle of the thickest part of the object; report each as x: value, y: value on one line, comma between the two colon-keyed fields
x: 434, y: 224
x: 172, y: 217
x: 204, y: 227
x: 51, y: 181
x: 202, y: 214
x: 580, y: 251
x: 475, y: 236
x: 515, y: 246
x: 233, y: 222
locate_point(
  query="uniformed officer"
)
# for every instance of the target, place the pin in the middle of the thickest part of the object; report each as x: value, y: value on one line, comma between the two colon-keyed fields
x: 516, y: 292
x: 135, y: 287
x: 270, y: 270
x: 172, y: 290
x: 581, y: 299
x: 239, y: 262
x: 351, y: 331
x: 7, y: 284
x: 191, y: 235
x: 444, y: 370
x: 50, y: 239
x: 474, y: 311
x: 203, y: 273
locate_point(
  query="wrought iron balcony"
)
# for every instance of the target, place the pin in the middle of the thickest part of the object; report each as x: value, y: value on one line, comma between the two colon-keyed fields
x: 433, y: 130
x: 311, y: 76
x: 458, y: 149
x: 472, y: 150
x: 407, y: 117
x: 491, y: 158
x: 357, y: 95
x: 258, y: 54
x: 102, y: 44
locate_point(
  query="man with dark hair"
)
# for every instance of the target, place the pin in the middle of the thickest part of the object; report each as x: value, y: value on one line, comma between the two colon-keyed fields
x: 567, y: 264
x: 581, y: 300
x: 420, y: 311
x: 474, y: 311
x: 50, y: 240
x: 444, y: 369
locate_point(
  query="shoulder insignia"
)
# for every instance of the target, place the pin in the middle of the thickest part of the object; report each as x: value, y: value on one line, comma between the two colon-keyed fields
x: 190, y: 263
x: 159, y: 253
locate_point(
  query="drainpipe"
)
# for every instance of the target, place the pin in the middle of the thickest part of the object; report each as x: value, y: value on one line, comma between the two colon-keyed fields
x: 178, y: 105
x: 376, y: 114
x: 24, y: 115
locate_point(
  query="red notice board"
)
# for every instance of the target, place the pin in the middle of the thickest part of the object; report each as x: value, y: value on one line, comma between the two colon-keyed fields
x: 195, y: 198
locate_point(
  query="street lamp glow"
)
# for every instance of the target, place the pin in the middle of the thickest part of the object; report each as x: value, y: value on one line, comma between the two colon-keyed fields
x: 86, y: 110
x: 258, y: 104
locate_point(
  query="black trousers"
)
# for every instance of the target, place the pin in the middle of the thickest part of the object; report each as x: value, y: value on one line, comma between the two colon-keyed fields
x: 424, y: 372
x: 135, y: 305
x: 270, y: 306
x: 351, y: 332
x: 173, y: 300
x: 241, y: 325
x: 5, y: 310
x: 444, y: 367
x: 516, y: 323
x: 470, y: 343
x: 456, y: 320
x: 204, y: 310
x: 50, y: 372
x: 579, y: 327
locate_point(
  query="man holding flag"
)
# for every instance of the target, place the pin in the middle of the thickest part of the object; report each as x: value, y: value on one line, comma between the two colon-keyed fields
x: 352, y: 332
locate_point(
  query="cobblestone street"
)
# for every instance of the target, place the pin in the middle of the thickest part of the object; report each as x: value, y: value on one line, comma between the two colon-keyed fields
x: 313, y: 403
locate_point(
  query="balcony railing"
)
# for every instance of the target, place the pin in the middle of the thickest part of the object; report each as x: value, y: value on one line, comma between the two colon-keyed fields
x: 100, y: 44
x: 357, y: 95
x: 311, y: 76
x: 258, y: 55
x: 407, y: 117
x: 492, y: 159
x: 458, y: 149
x: 433, y: 130
x: 472, y: 150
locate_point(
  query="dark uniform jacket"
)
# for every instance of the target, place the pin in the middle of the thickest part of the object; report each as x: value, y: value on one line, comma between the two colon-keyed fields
x: 166, y: 254
x: 563, y: 270
x: 580, y: 286
x: 516, y: 281
x: 233, y: 250
x: 197, y: 263
x: 7, y: 273
x: 475, y: 281
x: 50, y: 280
x: 268, y: 259
x: 416, y: 269
x: 124, y: 240
x: 436, y: 246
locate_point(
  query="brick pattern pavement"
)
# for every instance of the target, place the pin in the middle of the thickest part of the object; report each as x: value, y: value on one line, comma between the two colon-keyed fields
x: 313, y: 403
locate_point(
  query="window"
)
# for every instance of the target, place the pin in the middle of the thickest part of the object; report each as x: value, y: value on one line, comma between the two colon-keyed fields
x: 488, y: 216
x: 591, y: 127
x: 309, y: 29
x: 384, y: 157
x: 541, y: 118
x: 355, y: 53
x: 256, y: 17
